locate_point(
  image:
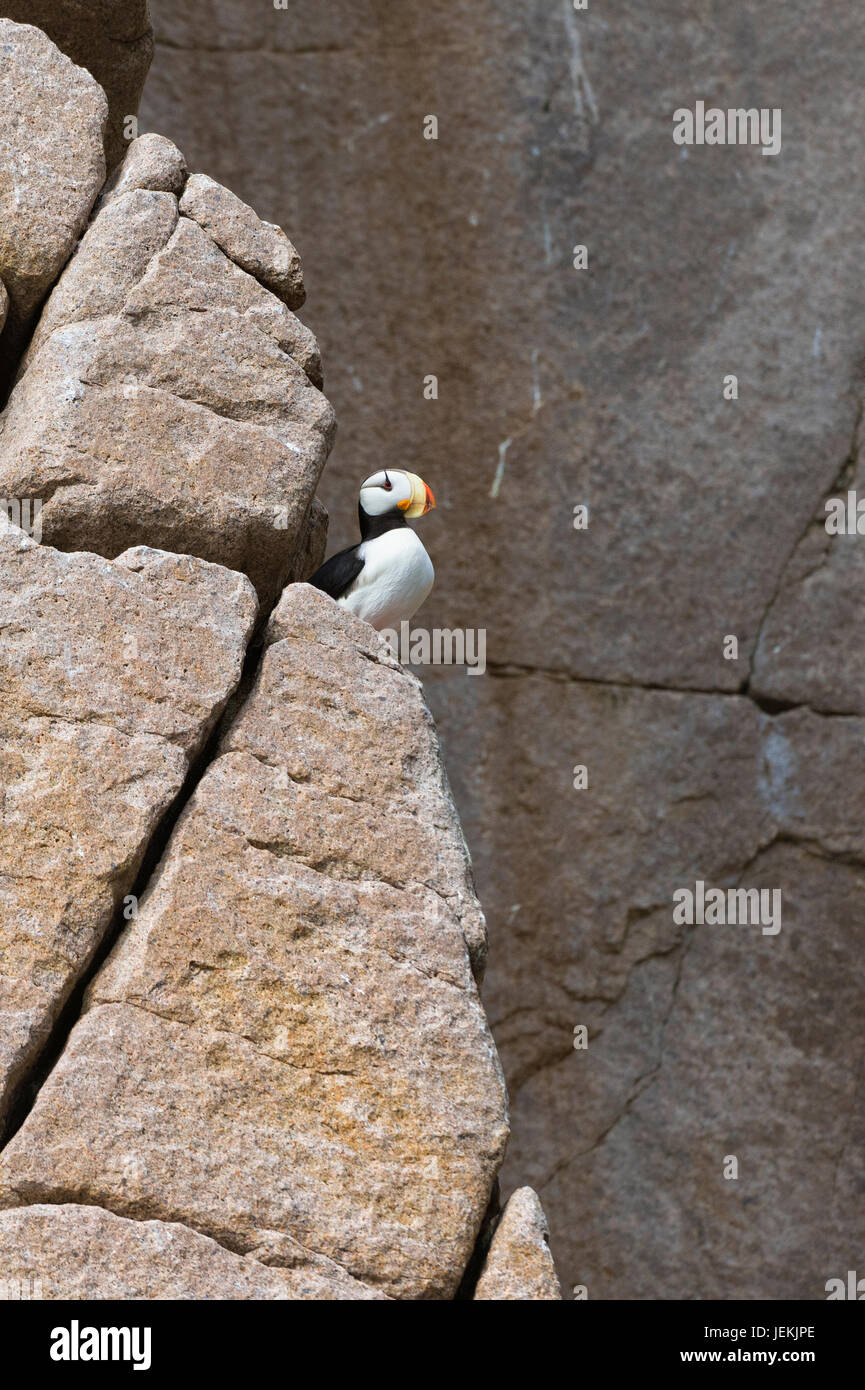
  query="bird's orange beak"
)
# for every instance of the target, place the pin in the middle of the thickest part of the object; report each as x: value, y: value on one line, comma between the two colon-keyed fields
x: 421, y: 500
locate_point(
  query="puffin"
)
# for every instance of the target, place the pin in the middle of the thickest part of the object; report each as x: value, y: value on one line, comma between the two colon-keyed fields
x: 388, y: 574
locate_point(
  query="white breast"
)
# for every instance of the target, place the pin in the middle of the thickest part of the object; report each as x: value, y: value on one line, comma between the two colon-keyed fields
x: 396, y: 577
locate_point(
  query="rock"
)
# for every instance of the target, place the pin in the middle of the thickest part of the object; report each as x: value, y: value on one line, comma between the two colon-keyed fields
x: 786, y: 1218
x: 682, y: 476
x: 4, y: 305
x: 286, y: 1050
x: 193, y: 274
x: 258, y: 247
x: 690, y: 1029
x: 602, y: 387
x: 151, y: 162
x: 187, y: 418
x: 519, y: 1265
x: 84, y: 1253
x: 111, y: 676
x: 129, y: 263
x: 52, y: 165
x: 811, y: 638
x: 112, y: 39
x: 108, y: 262
x: 311, y: 548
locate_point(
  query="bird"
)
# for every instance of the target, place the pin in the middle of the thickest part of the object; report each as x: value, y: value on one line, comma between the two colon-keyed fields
x: 388, y: 574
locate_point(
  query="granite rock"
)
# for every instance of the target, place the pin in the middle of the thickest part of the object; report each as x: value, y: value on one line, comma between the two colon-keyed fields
x: 519, y: 1265
x: 52, y: 166
x: 111, y: 676
x: 286, y: 1050
x: 258, y: 247
x: 168, y: 399
x: 112, y: 39
x: 603, y: 387
x: 152, y: 162
x: 87, y: 1254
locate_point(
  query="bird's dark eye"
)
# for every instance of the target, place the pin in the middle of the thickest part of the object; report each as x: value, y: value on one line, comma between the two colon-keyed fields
x: 387, y: 484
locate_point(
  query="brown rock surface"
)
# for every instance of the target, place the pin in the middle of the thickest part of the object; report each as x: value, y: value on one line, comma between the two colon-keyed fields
x: 787, y: 1008
x: 112, y: 39
x: 519, y: 1265
x: 76, y: 1252
x: 151, y: 162
x: 52, y: 165
x: 694, y: 1033
x: 258, y: 247
x: 108, y: 262
x: 167, y: 398
x: 286, y: 1051
x: 605, y: 386
x: 111, y: 675
x: 811, y: 642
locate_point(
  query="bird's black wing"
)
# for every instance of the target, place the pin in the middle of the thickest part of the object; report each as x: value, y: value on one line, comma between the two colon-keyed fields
x: 337, y: 573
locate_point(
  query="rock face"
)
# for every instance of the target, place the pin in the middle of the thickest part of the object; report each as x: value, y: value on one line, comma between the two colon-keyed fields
x: 189, y: 416
x: 280, y: 1083
x: 810, y: 643
x: 112, y: 39
x: 286, y: 1050
x: 259, y: 247
x: 519, y: 1265
x: 75, y: 1252
x: 151, y: 162
x: 52, y: 165
x: 605, y: 387
x: 111, y: 676
x: 680, y: 1018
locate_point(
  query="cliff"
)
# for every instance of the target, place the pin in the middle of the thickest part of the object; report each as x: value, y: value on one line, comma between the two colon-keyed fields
x: 603, y: 387
x: 243, y: 1053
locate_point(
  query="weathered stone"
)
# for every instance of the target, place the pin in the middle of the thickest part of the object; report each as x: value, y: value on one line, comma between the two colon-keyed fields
x: 111, y: 676
x: 753, y: 1018
x: 4, y: 305
x: 812, y: 637
x: 519, y: 1264
x: 52, y: 165
x: 112, y: 39
x: 186, y: 418
x: 696, y: 501
x: 681, y: 787
x: 193, y: 274
x: 151, y: 162
x: 286, y: 1050
x: 258, y: 247
x: 85, y: 1253
x: 108, y: 262
x: 312, y: 546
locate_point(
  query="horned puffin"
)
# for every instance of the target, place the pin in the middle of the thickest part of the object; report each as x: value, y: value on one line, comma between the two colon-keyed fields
x: 387, y: 576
